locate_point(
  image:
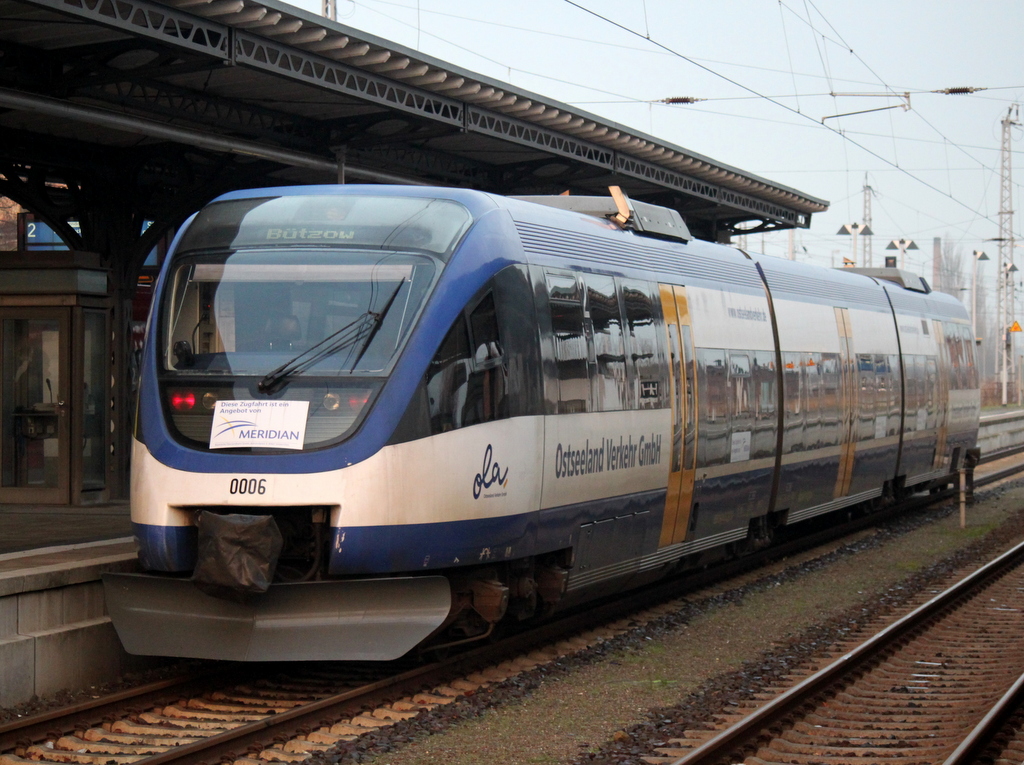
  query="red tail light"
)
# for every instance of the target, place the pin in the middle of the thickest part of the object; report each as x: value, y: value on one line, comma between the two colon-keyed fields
x: 183, y: 400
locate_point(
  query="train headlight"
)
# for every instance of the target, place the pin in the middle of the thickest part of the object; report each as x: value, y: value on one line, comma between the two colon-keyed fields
x: 332, y: 401
x: 209, y: 400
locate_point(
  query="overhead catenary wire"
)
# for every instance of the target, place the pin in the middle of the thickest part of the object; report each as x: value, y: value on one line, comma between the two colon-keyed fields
x: 823, y: 40
x: 782, y: 105
x: 884, y: 84
x: 789, y: 56
x: 622, y: 97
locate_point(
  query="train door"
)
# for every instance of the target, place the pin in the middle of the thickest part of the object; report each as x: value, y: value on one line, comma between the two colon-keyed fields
x: 848, y: 395
x: 682, y: 384
x: 941, y: 392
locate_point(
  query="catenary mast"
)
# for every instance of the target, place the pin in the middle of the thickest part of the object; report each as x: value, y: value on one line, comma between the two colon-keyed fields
x: 1006, y: 317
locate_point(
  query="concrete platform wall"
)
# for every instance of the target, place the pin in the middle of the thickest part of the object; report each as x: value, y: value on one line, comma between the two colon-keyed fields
x: 1001, y: 431
x: 54, y: 631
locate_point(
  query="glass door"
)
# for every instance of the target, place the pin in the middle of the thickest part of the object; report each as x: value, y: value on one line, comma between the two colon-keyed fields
x: 34, y: 422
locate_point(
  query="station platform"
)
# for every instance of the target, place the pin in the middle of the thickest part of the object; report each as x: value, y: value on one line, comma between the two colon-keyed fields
x: 54, y: 630
x: 30, y: 527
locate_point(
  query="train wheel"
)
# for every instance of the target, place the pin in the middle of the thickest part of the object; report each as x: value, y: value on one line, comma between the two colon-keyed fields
x: 761, y: 533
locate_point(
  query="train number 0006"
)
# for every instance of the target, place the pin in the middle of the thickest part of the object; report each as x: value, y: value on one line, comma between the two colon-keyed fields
x: 248, y: 486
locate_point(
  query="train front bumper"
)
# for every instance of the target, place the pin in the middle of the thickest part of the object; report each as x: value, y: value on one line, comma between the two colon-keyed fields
x: 354, y: 620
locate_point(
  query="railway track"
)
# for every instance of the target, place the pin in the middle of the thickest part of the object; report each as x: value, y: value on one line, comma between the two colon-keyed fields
x: 225, y: 722
x: 290, y: 714
x: 285, y: 717
x: 917, y: 691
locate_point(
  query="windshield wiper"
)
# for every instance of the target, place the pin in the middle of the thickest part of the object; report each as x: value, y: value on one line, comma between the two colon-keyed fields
x: 378, y: 320
x: 343, y: 338
x: 362, y: 330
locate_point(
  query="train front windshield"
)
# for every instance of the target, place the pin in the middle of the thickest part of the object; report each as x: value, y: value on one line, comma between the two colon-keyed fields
x: 306, y: 298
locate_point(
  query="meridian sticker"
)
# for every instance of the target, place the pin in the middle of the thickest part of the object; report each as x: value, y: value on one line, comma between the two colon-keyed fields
x: 273, y: 424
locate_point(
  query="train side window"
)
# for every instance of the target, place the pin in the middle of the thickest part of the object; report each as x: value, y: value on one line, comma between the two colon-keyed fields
x: 483, y: 324
x: 969, y: 357
x: 713, y: 386
x: 813, y: 379
x: 865, y: 396
x: 763, y: 379
x: 610, y: 387
x: 966, y: 358
x: 488, y: 381
x: 571, y: 354
x: 916, y: 414
x: 674, y: 354
x: 793, y: 389
x: 644, y: 354
x: 448, y: 379
x: 893, y: 425
x: 690, y: 423
x: 961, y: 361
x: 741, y: 391
x: 953, y: 349
x: 563, y: 288
x: 831, y: 399
x: 965, y: 370
x: 957, y: 356
x: 882, y: 395
x: 467, y: 386
x: 931, y: 383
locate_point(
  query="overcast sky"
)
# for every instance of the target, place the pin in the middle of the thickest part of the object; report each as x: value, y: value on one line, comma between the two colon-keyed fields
x: 767, y: 69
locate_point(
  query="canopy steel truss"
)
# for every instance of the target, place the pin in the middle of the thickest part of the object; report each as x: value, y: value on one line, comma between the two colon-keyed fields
x: 124, y: 116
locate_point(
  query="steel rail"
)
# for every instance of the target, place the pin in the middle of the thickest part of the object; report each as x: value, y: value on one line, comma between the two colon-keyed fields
x: 237, y: 740
x: 772, y: 713
x: 984, y: 732
x: 39, y: 725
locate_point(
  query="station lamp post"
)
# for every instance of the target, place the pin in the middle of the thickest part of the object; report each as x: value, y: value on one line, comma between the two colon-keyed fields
x: 978, y: 257
x: 1004, y: 323
x: 902, y: 245
x: 855, y: 230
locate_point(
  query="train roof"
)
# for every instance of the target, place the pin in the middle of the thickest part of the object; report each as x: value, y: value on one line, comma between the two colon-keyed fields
x: 655, y: 240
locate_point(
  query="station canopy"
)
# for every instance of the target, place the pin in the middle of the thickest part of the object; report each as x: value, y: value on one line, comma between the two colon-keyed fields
x: 162, y: 105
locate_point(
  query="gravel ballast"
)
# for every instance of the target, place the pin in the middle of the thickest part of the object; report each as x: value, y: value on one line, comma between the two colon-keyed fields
x: 614, y: 702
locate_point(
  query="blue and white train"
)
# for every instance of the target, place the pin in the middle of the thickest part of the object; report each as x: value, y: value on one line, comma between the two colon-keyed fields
x: 459, y: 408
